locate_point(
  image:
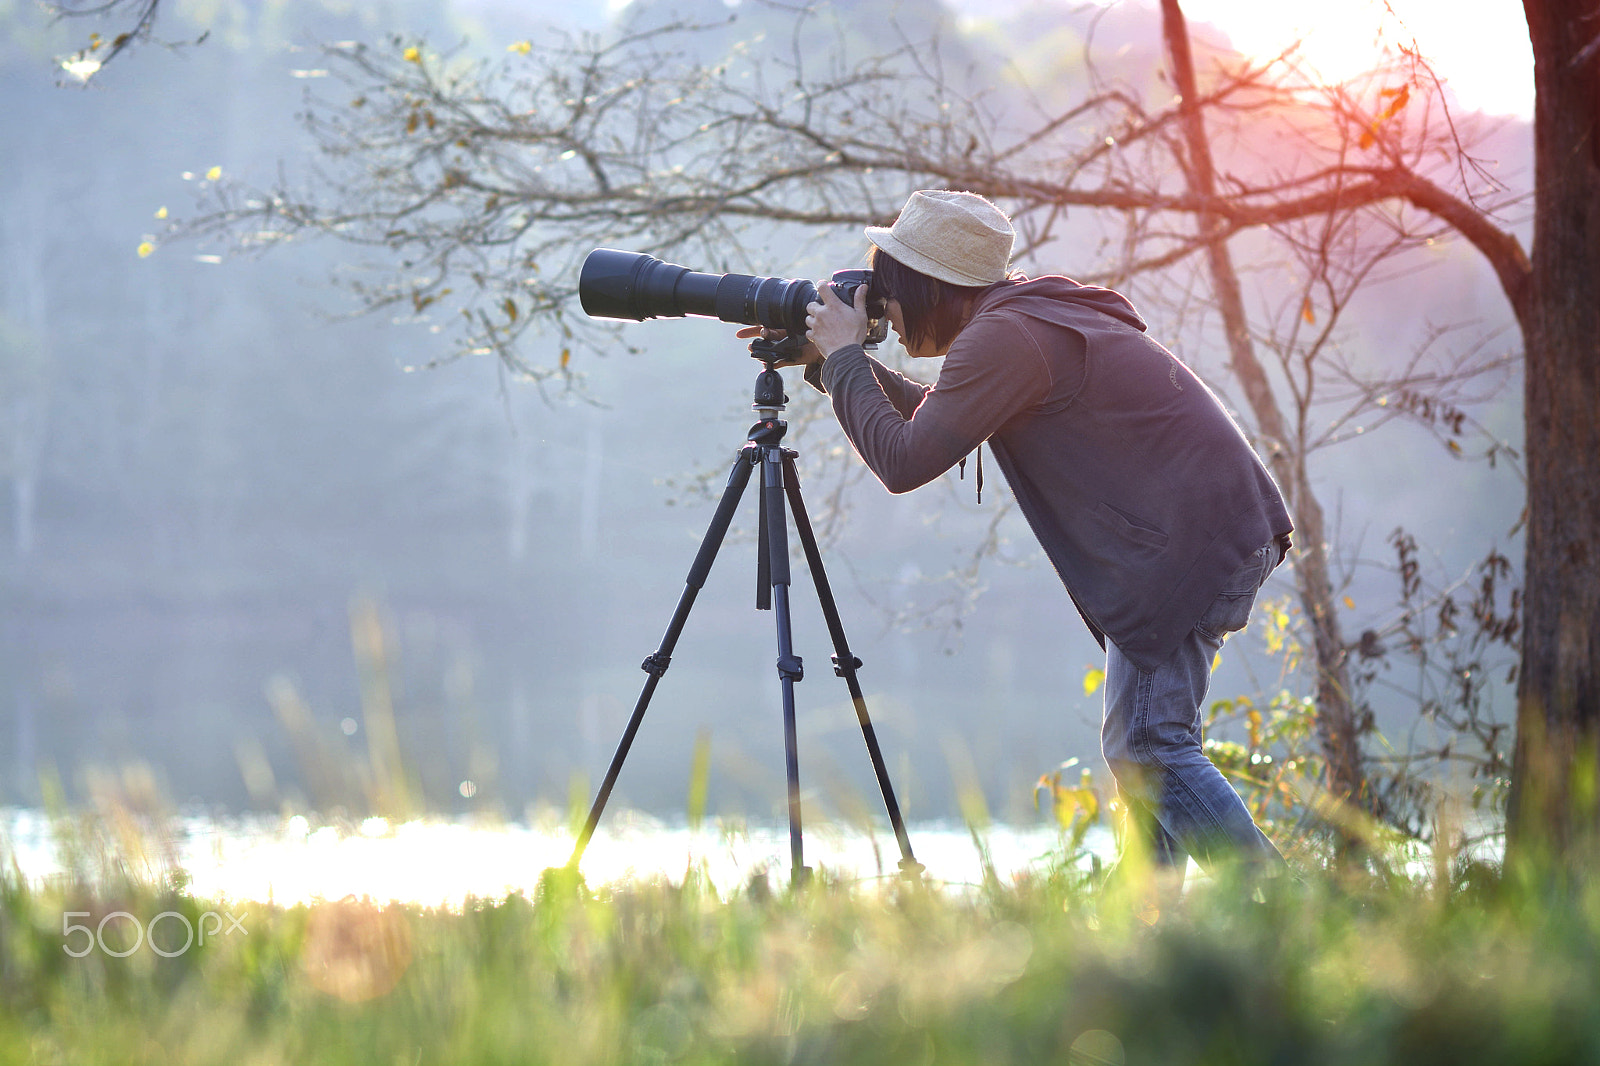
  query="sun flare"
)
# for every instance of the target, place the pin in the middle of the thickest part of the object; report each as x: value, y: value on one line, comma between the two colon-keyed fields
x: 1480, y: 51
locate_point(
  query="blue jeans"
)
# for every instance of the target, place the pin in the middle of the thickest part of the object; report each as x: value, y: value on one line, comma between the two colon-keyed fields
x: 1151, y: 739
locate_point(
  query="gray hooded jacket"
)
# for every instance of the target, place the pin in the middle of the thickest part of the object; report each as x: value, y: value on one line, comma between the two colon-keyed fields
x: 1141, y: 489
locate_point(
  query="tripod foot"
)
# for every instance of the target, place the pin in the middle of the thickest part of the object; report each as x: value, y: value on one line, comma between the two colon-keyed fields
x: 911, y: 870
x: 560, y: 884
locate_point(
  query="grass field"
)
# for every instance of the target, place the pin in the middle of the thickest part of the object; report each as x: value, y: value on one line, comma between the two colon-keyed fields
x: 1368, y: 969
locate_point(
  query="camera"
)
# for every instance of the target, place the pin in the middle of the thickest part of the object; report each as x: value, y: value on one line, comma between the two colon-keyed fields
x: 636, y: 286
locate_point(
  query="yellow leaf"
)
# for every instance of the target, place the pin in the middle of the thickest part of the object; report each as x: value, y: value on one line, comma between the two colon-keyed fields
x: 1064, y: 804
x: 1367, y: 139
x: 1308, y: 313
x: 1453, y: 446
x: 162, y: 213
x: 1038, y: 787
x: 214, y: 173
x: 411, y: 123
x: 1348, y: 602
x: 1253, y: 720
x: 145, y: 248
x: 1088, y: 803
x: 521, y: 47
x: 412, y: 55
x: 1402, y: 97
x: 510, y: 306
x: 566, y: 357
x: 1093, y: 678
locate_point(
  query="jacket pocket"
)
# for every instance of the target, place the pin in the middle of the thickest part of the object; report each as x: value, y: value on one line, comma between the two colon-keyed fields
x: 1130, y: 527
x: 1230, y: 611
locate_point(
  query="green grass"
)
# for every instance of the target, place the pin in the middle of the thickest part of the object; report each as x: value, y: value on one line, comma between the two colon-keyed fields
x: 1361, y: 970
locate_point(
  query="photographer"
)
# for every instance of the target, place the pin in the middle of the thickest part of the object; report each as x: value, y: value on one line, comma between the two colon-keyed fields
x: 1153, y: 508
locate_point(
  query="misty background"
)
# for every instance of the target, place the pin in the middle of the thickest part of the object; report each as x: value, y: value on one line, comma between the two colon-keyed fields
x: 238, y: 526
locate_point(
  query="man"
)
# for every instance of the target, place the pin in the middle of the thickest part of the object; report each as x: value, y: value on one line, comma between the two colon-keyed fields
x: 1155, y: 511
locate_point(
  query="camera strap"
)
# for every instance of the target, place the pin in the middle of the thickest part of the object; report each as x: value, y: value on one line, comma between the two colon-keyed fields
x: 961, y: 469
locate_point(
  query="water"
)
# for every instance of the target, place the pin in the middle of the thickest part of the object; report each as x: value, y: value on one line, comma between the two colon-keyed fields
x: 442, y: 863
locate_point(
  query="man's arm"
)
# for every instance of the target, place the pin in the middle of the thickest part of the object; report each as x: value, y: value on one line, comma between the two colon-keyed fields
x: 905, y: 393
x: 993, y: 371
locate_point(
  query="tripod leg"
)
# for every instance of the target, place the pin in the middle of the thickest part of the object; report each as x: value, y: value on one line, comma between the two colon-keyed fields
x: 656, y: 665
x: 790, y: 668
x: 845, y: 664
x: 763, y: 554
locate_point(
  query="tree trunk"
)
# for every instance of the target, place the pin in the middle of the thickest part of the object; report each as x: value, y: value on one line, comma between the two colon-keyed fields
x: 1338, y: 728
x: 1554, y: 781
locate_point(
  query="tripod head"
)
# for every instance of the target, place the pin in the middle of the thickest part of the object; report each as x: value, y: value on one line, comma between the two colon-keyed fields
x: 769, y: 396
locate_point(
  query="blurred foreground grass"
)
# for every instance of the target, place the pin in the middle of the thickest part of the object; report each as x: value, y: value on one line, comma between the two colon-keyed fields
x: 1057, y: 968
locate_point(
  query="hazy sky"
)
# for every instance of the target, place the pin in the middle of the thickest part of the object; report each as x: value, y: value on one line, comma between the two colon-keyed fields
x: 1481, y: 50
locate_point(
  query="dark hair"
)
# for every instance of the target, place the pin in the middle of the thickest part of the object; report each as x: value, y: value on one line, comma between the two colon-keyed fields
x: 933, y: 310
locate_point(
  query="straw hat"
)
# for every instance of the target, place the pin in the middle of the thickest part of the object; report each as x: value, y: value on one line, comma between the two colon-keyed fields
x: 958, y: 237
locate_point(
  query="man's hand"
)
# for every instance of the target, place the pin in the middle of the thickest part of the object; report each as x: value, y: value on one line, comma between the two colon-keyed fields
x: 807, y: 352
x: 834, y: 324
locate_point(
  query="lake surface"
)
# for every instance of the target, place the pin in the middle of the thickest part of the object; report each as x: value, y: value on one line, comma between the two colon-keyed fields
x: 442, y: 863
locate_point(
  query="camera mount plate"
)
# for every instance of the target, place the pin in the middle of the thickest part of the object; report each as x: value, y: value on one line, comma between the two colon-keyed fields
x: 773, y: 350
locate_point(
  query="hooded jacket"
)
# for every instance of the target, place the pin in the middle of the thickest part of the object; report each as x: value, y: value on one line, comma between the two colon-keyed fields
x: 1142, y: 490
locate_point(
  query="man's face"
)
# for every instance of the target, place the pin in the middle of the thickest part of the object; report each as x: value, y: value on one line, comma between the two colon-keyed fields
x: 924, y: 350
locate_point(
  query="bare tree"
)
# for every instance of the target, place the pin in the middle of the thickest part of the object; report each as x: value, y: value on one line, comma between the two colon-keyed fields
x: 1555, y: 804
x: 137, y: 23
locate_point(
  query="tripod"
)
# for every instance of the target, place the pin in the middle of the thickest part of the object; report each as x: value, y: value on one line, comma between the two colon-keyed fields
x: 763, y: 450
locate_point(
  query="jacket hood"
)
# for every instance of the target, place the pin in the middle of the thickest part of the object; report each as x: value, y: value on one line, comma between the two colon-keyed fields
x: 1058, y: 300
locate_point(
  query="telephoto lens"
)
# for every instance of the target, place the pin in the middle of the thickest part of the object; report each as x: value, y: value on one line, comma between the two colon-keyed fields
x: 636, y: 286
